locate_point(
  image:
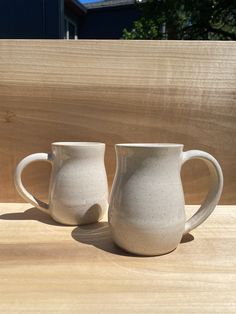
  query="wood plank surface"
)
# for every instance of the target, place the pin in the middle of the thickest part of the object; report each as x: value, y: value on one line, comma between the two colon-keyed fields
x: 113, y: 92
x: 49, y: 268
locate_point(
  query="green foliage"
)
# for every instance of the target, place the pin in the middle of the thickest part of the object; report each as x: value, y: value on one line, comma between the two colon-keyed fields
x: 143, y: 29
x: 185, y: 19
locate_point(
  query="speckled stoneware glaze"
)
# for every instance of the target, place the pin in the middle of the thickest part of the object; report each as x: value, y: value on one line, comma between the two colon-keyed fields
x: 78, y: 192
x: 146, y: 212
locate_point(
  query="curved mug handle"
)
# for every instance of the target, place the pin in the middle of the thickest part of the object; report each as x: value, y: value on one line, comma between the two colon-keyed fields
x: 213, y: 196
x: 19, y: 185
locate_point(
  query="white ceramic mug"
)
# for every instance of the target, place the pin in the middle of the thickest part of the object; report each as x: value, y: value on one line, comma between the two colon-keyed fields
x: 146, y: 211
x: 78, y: 192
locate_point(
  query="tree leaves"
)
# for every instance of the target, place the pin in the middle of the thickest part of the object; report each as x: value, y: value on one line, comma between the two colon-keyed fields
x: 185, y: 19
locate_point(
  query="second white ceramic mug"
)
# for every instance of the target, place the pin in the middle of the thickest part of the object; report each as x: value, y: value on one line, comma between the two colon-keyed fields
x: 78, y: 192
x: 146, y: 211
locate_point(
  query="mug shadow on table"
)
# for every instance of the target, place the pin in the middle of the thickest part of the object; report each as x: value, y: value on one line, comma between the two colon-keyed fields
x: 99, y: 236
x: 31, y: 214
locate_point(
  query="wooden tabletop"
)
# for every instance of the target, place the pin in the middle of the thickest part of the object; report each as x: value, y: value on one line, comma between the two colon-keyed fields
x: 49, y: 268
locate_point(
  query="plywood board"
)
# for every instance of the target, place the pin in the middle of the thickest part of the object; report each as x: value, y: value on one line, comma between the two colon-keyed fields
x: 113, y: 92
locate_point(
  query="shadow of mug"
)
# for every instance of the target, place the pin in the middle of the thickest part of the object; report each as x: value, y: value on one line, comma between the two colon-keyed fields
x: 30, y: 214
x: 99, y: 235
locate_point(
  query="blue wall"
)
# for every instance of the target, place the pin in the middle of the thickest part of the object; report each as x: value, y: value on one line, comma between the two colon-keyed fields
x: 107, y: 23
x: 31, y: 19
x: 44, y: 19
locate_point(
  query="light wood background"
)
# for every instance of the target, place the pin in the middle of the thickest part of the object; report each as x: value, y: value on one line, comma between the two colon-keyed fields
x: 117, y: 91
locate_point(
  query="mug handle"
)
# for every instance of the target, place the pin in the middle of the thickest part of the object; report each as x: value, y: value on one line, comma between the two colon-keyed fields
x: 213, y: 196
x: 19, y: 185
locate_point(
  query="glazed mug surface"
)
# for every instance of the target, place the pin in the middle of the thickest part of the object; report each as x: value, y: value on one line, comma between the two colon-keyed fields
x: 147, y: 209
x: 78, y: 191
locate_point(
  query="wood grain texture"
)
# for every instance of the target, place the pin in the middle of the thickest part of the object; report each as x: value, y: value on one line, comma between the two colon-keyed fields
x: 49, y: 268
x: 113, y: 92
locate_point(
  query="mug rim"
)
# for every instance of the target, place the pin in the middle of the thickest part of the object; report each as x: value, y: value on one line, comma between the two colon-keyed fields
x: 77, y: 144
x: 149, y: 145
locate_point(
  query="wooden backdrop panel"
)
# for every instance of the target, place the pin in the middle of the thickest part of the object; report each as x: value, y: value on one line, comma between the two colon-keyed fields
x: 117, y: 91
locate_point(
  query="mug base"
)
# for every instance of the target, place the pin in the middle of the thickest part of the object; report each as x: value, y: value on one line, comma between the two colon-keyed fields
x: 78, y: 223
x: 79, y: 216
x: 151, y: 254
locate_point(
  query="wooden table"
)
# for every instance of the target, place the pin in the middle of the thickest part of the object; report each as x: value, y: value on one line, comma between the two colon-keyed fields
x: 48, y: 268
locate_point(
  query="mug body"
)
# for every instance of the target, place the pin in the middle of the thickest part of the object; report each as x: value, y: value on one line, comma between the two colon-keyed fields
x: 78, y: 192
x: 146, y: 211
